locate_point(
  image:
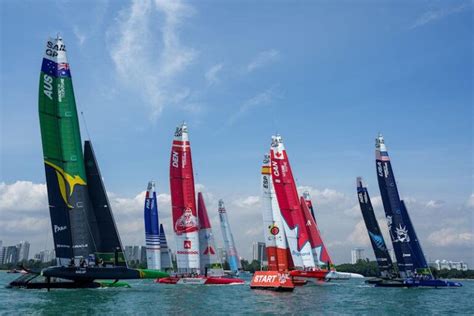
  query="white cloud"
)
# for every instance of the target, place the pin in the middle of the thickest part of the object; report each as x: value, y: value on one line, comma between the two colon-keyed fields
x: 470, y: 201
x: 212, y: 74
x: 264, y: 98
x: 23, y: 196
x: 434, y: 15
x: 434, y: 204
x: 248, y: 202
x: 448, y: 237
x: 262, y: 59
x: 81, y: 37
x: 148, y: 55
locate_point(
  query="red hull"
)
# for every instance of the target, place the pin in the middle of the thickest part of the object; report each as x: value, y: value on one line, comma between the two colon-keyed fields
x: 201, y: 280
x: 271, y: 280
x: 318, y: 274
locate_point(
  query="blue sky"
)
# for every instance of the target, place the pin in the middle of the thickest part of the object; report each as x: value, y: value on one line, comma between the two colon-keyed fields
x: 327, y: 75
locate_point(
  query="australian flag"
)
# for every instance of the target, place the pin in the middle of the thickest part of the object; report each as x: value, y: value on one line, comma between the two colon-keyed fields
x: 55, y: 70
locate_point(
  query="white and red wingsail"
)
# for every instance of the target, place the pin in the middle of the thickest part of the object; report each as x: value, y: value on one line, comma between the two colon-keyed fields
x: 183, y: 202
x: 274, y: 232
x: 320, y: 253
x: 208, y: 256
x: 290, y: 207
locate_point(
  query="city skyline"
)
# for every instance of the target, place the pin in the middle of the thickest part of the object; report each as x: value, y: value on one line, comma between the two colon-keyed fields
x: 327, y: 87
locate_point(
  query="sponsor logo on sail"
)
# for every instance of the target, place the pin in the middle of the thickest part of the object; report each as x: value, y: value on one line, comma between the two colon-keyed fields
x: 59, y: 228
x: 186, y: 223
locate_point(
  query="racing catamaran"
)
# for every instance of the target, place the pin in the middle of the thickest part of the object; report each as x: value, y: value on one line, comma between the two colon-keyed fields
x: 86, y: 239
x: 411, y: 262
x: 189, y: 230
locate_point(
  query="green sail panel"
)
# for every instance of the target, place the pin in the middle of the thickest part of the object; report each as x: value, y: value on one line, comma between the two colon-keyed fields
x: 63, y: 158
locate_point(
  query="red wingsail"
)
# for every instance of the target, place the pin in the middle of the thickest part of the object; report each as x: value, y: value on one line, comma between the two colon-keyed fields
x: 183, y: 202
x: 320, y: 254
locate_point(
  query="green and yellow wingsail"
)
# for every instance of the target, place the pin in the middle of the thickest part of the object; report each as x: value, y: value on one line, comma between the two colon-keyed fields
x: 63, y: 158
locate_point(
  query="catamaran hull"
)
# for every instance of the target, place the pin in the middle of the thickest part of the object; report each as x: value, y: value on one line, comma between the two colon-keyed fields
x: 412, y: 283
x: 102, y: 273
x: 201, y: 281
x: 318, y: 274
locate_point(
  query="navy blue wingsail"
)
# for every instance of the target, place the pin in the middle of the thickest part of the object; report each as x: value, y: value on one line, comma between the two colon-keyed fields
x: 410, y: 257
x: 382, y: 255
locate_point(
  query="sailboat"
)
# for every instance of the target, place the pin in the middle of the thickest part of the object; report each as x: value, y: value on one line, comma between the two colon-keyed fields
x: 279, y: 260
x: 86, y: 240
x: 382, y: 256
x: 195, y: 252
x: 152, y: 229
x: 411, y: 261
x: 229, y: 244
x: 290, y: 207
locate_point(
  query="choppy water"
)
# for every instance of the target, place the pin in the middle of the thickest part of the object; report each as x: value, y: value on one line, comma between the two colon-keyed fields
x: 146, y: 297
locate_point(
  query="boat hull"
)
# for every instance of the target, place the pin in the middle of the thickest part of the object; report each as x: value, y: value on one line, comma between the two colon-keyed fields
x: 317, y: 274
x: 412, y: 283
x: 272, y: 280
x: 33, y: 280
x: 201, y: 280
x: 105, y: 273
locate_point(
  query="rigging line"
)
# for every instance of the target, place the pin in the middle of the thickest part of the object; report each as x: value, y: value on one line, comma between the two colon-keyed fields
x: 85, y: 125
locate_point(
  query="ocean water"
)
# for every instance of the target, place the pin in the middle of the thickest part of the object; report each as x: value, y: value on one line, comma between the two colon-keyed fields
x: 148, y: 298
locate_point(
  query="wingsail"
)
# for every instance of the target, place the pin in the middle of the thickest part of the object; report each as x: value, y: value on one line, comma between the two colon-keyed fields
x: 152, y: 228
x: 410, y: 258
x: 183, y: 202
x: 382, y: 255
x: 274, y: 232
x: 288, y: 201
x: 208, y: 255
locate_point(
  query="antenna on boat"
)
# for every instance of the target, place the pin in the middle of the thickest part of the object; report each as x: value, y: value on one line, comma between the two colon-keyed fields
x: 85, y: 125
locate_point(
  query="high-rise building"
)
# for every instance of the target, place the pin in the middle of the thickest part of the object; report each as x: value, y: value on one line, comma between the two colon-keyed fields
x: 357, y: 254
x: 132, y: 253
x: 221, y: 254
x: 142, y: 254
x: 259, y: 252
x: 11, y: 255
x: 45, y: 256
x: 2, y: 254
x: 23, y: 250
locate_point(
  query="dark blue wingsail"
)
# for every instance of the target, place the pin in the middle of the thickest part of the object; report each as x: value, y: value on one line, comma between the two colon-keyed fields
x: 382, y: 256
x: 410, y: 257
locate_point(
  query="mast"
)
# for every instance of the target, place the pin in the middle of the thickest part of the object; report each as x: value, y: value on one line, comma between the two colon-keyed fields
x: 288, y: 200
x: 207, y: 244
x: 183, y: 202
x: 275, y: 238
x: 63, y: 158
x: 165, y: 252
x: 229, y: 243
x: 382, y: 255
x: 409, y: 258
x: 152, y: 229
x: 320, y: 253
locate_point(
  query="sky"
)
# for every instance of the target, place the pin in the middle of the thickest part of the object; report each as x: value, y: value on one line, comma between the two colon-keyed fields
x: 327, y: 75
